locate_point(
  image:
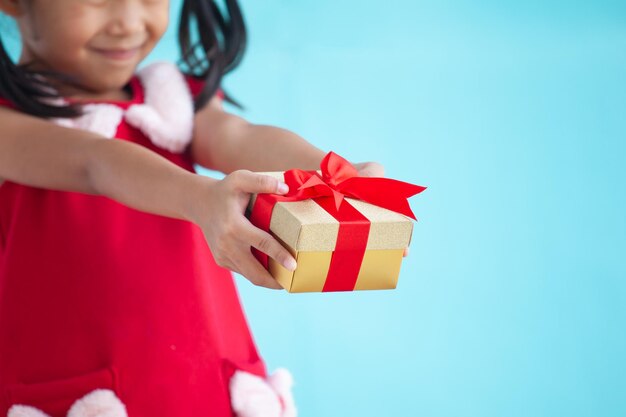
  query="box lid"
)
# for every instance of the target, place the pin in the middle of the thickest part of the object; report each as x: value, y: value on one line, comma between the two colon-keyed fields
x: 305, y: 226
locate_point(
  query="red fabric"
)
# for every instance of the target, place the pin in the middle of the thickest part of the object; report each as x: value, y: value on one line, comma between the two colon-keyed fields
x: 196, y: 85
x: 94, y: 294
x: 6, y: 103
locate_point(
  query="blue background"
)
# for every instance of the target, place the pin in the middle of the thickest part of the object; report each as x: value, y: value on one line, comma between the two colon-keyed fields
x: 512, y: 302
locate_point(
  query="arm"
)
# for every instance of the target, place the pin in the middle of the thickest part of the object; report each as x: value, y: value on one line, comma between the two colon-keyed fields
x: 226, y: 142
x: 38, y: 153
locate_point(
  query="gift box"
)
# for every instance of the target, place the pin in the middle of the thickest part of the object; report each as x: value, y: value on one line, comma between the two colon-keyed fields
x: 346, y: 232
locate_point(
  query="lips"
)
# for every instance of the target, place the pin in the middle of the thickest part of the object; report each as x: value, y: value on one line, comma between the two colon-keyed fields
x: 118, y: 54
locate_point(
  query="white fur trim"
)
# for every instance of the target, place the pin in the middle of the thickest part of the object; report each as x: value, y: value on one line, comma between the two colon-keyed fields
x: 98, y: 403
x: 282, y: 382
x: 101, y: 118
x: 166, y: 116
x: 25, y: 411
x: 252, y: 396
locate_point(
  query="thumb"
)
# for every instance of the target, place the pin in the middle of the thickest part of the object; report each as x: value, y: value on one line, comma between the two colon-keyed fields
x: 254, y: 183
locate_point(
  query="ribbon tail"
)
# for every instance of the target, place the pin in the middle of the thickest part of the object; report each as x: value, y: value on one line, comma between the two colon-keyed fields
x: 401, y: 206
x: 383, y: 192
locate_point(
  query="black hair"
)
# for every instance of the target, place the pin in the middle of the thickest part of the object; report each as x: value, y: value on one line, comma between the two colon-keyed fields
x: 220, y: 45
x: 214, y: 48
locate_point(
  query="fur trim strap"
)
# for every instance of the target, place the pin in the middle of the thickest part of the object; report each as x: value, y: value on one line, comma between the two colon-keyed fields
x: 165, y: 117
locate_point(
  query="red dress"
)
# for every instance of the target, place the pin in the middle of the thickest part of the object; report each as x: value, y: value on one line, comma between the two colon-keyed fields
x: 94, y: 294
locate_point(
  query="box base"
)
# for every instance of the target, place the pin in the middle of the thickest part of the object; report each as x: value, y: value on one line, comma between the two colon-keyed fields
x: 379, y: 270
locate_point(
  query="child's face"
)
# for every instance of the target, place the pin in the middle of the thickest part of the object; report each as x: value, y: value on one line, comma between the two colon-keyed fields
x: 100, y: 42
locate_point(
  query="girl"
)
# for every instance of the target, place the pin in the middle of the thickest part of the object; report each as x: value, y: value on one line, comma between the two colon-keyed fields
x: 115, y: 292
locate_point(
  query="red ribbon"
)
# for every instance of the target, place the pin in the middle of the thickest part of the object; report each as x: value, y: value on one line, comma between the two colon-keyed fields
x: 339, y: 179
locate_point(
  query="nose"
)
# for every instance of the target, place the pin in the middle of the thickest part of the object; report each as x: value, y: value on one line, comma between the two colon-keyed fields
x: 126, y: 17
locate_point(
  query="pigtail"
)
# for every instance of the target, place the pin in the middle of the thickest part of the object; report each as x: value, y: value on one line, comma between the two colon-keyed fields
x: 216, y: 46
x: 28, y: 91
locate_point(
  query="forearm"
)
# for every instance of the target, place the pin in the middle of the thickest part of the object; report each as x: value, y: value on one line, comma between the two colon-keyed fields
x: 269, y: 148
x: 141, y: 179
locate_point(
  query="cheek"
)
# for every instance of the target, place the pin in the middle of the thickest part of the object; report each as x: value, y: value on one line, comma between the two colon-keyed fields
x: 67, y: 49
x: 157, y: 19
x: 62, y: 33
x: 158, y: 23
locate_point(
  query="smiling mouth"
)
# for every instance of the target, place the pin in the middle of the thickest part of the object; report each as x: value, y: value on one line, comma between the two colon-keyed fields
x: 118, y: 54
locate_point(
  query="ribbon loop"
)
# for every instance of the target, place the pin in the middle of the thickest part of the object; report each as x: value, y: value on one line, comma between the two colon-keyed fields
x: 341, y: 179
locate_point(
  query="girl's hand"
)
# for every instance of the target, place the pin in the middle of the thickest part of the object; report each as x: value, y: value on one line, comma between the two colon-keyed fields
x: 221, y: 216
x: 373, y: 169
x: 370, y: 169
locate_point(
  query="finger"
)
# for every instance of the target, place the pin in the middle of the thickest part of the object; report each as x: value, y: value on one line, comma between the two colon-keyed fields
x: 370, y: 169
x: 267, y: 244
x: 252, y: 182
x: 406, y: 252
x: 254, y: 272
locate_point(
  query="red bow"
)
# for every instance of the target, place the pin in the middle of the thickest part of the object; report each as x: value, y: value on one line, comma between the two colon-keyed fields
x: 340, y: 179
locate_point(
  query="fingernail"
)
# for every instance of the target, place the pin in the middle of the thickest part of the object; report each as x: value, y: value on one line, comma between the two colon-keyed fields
x: 283, y: 188
x: 290, y: 264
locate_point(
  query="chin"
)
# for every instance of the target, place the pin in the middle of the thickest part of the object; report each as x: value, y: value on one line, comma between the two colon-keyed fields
x: 109, y: 82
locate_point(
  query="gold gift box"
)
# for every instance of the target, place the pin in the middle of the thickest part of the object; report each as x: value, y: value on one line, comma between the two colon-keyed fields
x: 309, y: 232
